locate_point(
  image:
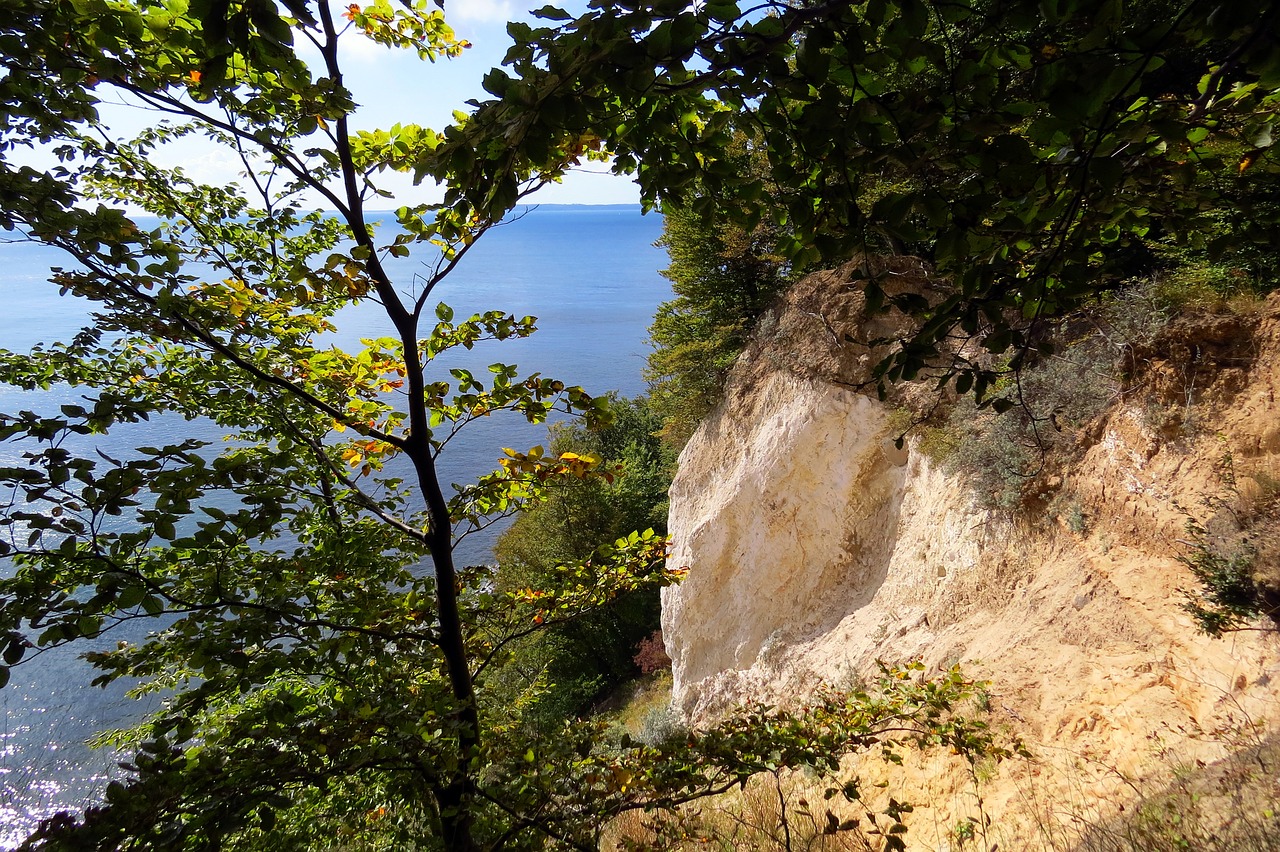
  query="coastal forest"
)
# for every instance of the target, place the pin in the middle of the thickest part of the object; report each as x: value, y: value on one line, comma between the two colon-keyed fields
x: 985, y: 205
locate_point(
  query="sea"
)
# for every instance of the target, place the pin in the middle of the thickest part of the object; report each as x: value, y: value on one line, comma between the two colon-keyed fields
x: 590, y: 274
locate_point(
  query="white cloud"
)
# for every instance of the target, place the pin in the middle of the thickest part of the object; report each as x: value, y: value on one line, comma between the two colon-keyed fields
x: 480, y: 10
x: 357, y: 48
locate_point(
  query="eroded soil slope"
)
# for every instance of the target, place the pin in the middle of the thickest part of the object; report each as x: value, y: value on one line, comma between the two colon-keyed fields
x: 815, y: 547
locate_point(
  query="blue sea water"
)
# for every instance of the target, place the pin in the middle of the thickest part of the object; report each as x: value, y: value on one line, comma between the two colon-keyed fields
x: 590, y: 274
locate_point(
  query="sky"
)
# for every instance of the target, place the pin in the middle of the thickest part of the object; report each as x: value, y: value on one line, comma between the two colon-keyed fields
x: 393, y: 86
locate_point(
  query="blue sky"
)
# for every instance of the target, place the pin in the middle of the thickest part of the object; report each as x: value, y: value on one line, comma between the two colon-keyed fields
x: 393, y: 86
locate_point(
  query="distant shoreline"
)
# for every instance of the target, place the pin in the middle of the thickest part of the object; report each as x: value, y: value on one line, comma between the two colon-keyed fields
x: 635, y: 206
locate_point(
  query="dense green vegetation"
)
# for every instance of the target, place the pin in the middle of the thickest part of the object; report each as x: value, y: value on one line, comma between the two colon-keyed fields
x: 1034, y: 153
x: 1028, y: 151
x: 561, y: 672
x: 724, y: 276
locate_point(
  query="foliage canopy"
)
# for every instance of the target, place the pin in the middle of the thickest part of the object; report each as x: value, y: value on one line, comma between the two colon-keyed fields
x: 1032, y: 149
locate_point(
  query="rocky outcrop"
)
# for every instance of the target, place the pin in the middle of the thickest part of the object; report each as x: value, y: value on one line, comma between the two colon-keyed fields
x: 815, y: 547
x: 796, y: 514
x: 796, y: 510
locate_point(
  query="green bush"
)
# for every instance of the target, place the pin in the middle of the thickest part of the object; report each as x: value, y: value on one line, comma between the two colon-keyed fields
x: 1223, y: 554
x: 1228, y: 596
x: 999, y: 454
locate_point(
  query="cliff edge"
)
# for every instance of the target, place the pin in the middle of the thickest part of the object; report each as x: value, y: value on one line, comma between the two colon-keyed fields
x: 816, y: 547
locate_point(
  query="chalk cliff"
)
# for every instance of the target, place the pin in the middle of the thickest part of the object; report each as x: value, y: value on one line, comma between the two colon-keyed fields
x: 815, y: 546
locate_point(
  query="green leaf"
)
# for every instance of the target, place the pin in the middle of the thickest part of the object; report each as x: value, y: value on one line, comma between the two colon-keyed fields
x: 14, y: 650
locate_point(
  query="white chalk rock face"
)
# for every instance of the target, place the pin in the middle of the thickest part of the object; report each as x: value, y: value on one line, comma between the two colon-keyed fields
x: 776, y: 511
x: 788, y: 511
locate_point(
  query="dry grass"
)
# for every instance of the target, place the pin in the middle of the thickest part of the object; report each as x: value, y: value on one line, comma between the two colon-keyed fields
x: 786, y: 811
x: 775, y: 812
x: 1226, y: 806
x: 1229, y: 805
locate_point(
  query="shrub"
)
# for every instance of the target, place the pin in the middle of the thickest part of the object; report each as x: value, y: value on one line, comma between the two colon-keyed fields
x: 651, y: 654
x: 661, y: 725
x: 1228, y: 596
x: 1222, y: 554
x: 1000, y: 453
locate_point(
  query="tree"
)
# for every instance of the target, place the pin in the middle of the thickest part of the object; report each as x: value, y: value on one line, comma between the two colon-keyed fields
x: 320, y: 688
x: 724, y: 277
x: 1040, y: 146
